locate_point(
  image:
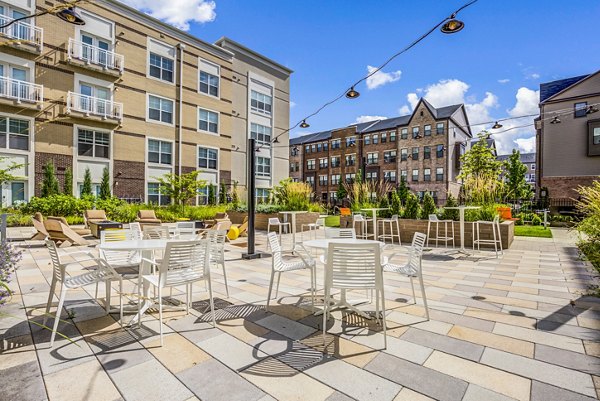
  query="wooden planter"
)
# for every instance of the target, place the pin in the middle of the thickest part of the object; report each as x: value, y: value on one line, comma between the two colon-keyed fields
x: 261, y: 220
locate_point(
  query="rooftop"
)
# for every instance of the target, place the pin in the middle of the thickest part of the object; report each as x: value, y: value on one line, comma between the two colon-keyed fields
x: 549, y: 89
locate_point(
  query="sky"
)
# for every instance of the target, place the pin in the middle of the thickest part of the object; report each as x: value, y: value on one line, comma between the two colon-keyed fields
x: 494, y: 65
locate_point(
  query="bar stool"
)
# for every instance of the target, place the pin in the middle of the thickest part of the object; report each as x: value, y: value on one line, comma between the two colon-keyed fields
x: 433, y: 219
x: 390, y: 223
x: 313, y: 227
x: 363, y: 226
x: 274, y: 221
x: 496, y: 239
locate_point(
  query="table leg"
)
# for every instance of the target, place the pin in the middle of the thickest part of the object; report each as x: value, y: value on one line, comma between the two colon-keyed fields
x: 144, y: 269
x: 375, y: 225
x: 293, y: 231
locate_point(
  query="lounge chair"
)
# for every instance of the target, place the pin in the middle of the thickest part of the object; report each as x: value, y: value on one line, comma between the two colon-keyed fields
x: 62, y: 234
x: 147, y: 218
x: 93, y: 216
x: 80, y: 231
x: 38, y: 224
x: 222, y: 216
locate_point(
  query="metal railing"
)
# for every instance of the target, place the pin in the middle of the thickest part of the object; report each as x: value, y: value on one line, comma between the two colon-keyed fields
x: 21, y: 91
x: 94, y: 106
x: 22, y: 31
x: 95, y: 55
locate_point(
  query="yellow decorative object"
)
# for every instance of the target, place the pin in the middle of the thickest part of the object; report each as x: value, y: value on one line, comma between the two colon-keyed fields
x: 233, y: 233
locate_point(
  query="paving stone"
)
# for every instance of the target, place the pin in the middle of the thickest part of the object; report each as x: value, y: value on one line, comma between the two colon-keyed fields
x: 395, y: 346
x: 22, y: 383
x: 476, y: 393
x: 351, y: 380
x: 346, y: 350
x: 568, y: 330
x: 177, y: 353
x: 231, y: 351
x: 87, y: 381
x: 407, y: 394
x: 539, y: 337
x: 541, y: 371
x: 286, y: 327
x: 213, y: 381
x: 193, y: 329
x: 463, y: 349
x: 492, y: 379
x: 337, y: 396
x: 426, y: 381
x: 466, y: 321
x: 545, y: 392
x: 503, y: 343
x: 568, y: 359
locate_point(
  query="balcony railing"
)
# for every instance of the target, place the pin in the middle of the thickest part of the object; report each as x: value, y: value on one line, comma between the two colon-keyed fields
x: 21, y: 91
x: 22, y: 31
x: 95, y: 55
x: 94, y: 106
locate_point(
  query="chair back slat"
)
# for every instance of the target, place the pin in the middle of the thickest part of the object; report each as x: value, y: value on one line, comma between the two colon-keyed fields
x: 184, y: 260
x: 275, y: 246
x: 416, y: 251
x: 186, y: 227
x: 156, y: 232
x: 353, y: 266
x: 136, y: 230
x: 433, y: 217
x: 340, y: 233
x: 217, y: 244
x: 118, y: 258
x: 57, y: 269
x: 274, y: 221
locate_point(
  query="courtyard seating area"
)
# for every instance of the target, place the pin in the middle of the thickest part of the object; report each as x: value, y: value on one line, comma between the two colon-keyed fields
x: 514, y: 327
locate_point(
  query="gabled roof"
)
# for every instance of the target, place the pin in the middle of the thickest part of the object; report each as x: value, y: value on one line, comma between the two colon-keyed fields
x: 308, y: 138
x: 524, y: 157
x: 388, y: 123
x: 549, y: 89
x: 491, y: 143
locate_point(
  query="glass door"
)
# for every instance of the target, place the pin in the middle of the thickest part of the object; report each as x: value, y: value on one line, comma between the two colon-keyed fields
x: 19, y: 85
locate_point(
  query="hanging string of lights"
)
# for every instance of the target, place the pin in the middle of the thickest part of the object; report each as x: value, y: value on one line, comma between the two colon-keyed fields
x: 448, y: 25
x: 65, y: 12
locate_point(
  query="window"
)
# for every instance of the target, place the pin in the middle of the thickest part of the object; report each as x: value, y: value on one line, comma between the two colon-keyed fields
x: 532, y: 177
x: 294, y: 151
x: 262, y: 195
x: 439, y: 174
x: 263, y: 166
x: 15, y: 89
x: 336, y: 144
x: 404, y: 133
x: 351, y: 141
x: 208, y: 158
x: 261, y: 103
x: 371, y: 176
x: 439, y: 128
x: 367, y: 139
x: 580, y: 109
x: 335, y: 161
x: 403, y: 154
x: 350, y: 178
x: 292, y: 167
x: 310, y: 164
x: 383, y: 137
x: 333, y: 197
x: 596, y: 136
x: 426, y: 152
x: 161, y: 67
x: 159, y: 151
x: 415, y: 133
x: 389, y: 156
x: 323, y: 180
x: 350, y: 160
x: 95, y: 189
x: 404, y: 175
x: 593, y: 138
x: 375, y: 139
x: 261, y: 133
x: 313, y: 148
x: 203, y: 195
x: 208, y: 121
x: 154, y: 195
x: 14, y: 133
x: 372, y: 158
x: 427, y: 130
x: 310, y: 180
x: 318, y: 147
x: 392, y: 136
x: 17, y: 192
x: 335, y: 179
x: 93, y: 143
x: 307, y: 149
x: 415, y: 153
x: 160, y: 109
x: 95, y: 99
x: 325, y: 146
x: 323, y: 163
x: 415, y: 175
x: 439, y: 151
x: 209, y: 78
x: 427, y: 174
x: 389, y: 176
x: 532, y: 167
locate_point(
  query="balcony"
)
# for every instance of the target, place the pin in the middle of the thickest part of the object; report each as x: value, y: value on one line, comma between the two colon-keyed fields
x: 21, y: 91
x: 21, y: 33
x: 93, y: 106
x: 94, y: 56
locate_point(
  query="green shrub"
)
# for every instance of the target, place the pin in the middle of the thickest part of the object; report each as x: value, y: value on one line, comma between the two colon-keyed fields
x: 50, y: 182
x: 396, y: 205
x: 428, y: 206
x: 268, y: 208
x: 412, y: 207
x: 450, y: 214
x: 86, y: 188
x: 105, y: 184
x: 536, y: 220
x: 68, y: 185
x: 58, y: 205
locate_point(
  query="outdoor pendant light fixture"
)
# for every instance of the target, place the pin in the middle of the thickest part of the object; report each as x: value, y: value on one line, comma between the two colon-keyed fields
x: 591, y: 110
x: 70, y: 15
x: 497, y: 125
x: 352, y: 94
x: 452, y: 25
x: 555, y: 120
x: 276, y: 140
x: 304, y: 124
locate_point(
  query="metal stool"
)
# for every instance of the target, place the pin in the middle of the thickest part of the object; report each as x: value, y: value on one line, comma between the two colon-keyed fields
x: 363, y: 230
x: 313, y: 227
x: 433, y: 219
x: 391, y: 222
x: 496, y: 239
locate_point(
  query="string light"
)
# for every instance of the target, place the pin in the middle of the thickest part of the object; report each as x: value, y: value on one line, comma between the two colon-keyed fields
x: 65, y: 11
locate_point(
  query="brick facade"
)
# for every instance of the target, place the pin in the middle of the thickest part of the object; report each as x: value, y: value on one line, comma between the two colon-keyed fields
x: 129, y: 179
x: 566, y: 187
x: 61, y: 164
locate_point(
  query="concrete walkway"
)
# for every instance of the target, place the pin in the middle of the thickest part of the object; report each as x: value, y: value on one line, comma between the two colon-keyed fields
x: 513, y: 328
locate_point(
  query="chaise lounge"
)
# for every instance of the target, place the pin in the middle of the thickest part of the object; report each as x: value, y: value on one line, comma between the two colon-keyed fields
x: 147, y: 218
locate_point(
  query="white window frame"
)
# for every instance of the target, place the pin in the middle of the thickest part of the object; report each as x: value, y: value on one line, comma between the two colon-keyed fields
x: 30, y: 142
x: 174, y: 58
x: 172, y: 124
x: 262, y: 166
x: 198, y: 158
x: 94, y: 130
x: 311, y: 162
x: 160, y: 196
x: 160, y: 140
x: 200, y: 70
x: 257, y: 109
x: 262, y: 142
x: 218, y: 121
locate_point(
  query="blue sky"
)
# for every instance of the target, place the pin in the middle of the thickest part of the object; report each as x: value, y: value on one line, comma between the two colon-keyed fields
x: 495, y: 65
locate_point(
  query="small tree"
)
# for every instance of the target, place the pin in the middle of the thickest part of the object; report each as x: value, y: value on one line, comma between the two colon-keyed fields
x: 396, y: 205
x: 6, y: 172
x: 428, y: 206
x: 341, y: 192
x: 450, y: 214
x: 105, y: 184
x: 402, y: 190
x: 384, y: 203
x: 86, y: 188
x: 412, y: 207
x: 49, y: 182
x: 180, y: 188
x: 235, y: 198
x: 516, y: 186
x: 68, y: 185
x: 212, y: 196
x: 223, y: 193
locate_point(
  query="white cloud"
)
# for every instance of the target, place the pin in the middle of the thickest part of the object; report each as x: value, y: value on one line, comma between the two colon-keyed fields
x: 534, y: 75
x: 292, y: 104
x: 364, y: 119
x: 381, y: 78
x: 527, y: 102
x: 178, y: 13
x: 526, y: 145
x: 504, y: 81
x: 404, y: 110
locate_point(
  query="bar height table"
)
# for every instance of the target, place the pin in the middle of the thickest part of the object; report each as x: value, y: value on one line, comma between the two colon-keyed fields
x: 293, y: 214
x: 374, y: 212
x: 461, y: 214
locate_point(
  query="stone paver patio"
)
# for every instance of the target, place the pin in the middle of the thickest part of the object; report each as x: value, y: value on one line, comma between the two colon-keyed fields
x: 500, y: 329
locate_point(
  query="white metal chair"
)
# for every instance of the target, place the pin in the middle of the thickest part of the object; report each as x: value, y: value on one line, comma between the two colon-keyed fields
x: 363, y: 226
x: 136, y: 230
x: 156, y: 232
x: 313, y: 227
x: 434, y: 220
x: 413, y: 268
x: 393, y: 224
x: 217, y: 251
x: 496, y: 238
x: 185, y: 229
x: 102, y: 273
x: 126, y: 263
x: 184, y: 263
x: 340, y: 233
x: 274, y: 221
x: 354, y: 267
x: 278, y: 265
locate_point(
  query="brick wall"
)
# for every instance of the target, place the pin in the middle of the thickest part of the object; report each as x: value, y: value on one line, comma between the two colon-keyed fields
x: 566, y: 187
x: 61, y: 163
x: 128, y: 179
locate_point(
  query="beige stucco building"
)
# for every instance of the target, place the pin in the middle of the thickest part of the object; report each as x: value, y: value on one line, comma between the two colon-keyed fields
x: 130, y: 93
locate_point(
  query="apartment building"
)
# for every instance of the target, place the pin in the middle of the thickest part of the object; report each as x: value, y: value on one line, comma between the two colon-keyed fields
x: 128, y: 92
x: 422, y: 148
x: 568, y: 136
x: 529, y: 160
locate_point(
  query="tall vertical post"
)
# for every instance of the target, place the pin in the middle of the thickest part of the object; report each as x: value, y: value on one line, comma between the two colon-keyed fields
x: 251, y: 185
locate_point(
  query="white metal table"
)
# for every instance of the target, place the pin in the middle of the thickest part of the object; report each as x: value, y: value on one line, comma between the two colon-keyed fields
x: 293, y: 214
x: 324, y: 245
x: 374, y: 212
x: 461, y: 214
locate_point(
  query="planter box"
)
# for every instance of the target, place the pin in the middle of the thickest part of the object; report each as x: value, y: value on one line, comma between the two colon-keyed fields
x: 236, y: 217
x: 408, y: 227
x: 261, y: 220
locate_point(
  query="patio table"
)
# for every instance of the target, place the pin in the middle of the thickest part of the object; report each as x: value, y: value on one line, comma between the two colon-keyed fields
x: 293, y: 214
x: 461, y: 214
x: 374, y: 212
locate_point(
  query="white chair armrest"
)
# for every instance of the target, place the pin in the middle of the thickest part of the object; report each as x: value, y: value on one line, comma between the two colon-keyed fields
x: 152, y: 262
